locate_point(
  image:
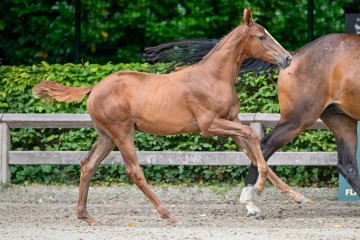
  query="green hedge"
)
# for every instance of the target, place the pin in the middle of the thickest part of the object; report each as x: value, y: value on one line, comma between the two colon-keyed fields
x: 257, y: 93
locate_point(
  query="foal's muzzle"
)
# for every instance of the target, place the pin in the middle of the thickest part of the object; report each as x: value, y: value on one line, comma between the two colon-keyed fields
x: 283, y: 61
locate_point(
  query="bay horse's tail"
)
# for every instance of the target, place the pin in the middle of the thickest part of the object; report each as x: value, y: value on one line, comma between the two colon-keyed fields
x: 188, y: 52
x: 60, y: 92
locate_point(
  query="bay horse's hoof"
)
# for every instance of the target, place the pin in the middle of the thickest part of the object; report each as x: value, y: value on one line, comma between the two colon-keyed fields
x: 255, y: 214
x: 253, y: 210
x: 259, y: 216
x: 250, y: 194
x: 248, y: 197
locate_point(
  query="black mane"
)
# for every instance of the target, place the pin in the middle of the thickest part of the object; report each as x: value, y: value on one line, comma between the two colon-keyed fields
x: 188, y: 52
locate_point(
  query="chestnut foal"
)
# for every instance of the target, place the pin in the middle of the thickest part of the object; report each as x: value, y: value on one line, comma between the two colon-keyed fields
x: 197, y: 98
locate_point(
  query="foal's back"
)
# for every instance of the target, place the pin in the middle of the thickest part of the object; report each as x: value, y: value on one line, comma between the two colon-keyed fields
x: 153, y: 103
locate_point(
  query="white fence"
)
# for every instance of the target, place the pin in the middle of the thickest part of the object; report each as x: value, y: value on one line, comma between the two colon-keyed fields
x: 258, y: 121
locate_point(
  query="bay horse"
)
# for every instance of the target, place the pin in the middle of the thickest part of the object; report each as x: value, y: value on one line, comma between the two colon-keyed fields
x: 324, y: 85
x: 198, y: 98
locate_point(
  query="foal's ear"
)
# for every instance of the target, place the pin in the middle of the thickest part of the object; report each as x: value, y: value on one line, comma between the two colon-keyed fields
x: 247, y: 19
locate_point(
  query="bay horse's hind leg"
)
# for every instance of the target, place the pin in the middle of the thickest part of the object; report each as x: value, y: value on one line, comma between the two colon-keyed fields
x: 284, y: 132
x: 251, y: 193
x: 125, y: 142
x: 89, y: 164
x: 247, y: 139
x: 345, y: 132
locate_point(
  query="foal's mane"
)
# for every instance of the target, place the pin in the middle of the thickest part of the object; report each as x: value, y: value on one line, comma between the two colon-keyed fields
x: 239, y: 34
x: 188, y: 52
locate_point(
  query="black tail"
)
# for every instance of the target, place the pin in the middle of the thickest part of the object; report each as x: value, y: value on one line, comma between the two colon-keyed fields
x: 188, y: 52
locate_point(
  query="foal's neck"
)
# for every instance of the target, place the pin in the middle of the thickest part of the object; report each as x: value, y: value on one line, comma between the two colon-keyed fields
x: 225, y: 59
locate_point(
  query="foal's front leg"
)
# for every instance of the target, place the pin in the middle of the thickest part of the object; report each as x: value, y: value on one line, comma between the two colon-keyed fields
x: 251, y: 142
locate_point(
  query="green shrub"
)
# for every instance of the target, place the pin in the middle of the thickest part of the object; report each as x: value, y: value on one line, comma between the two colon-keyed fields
x: 257, y: 93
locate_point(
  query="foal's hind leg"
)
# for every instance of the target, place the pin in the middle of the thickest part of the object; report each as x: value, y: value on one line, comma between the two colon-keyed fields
x: 344, y: 129
x: 89, y: 164
x: 124, y: 140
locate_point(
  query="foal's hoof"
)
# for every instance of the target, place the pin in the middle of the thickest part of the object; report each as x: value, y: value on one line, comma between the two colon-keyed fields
x: 305, y: 200
x: 178, y: 224
x: 97, y: 223
x: 90, y: 220
x: 171, y: 219
x: 174, y: 222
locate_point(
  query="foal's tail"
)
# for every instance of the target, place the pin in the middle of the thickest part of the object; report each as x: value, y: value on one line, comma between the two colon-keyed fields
x: 60, y: 92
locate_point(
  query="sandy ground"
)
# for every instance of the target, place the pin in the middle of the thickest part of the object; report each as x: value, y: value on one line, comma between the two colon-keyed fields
x: 48, y: 212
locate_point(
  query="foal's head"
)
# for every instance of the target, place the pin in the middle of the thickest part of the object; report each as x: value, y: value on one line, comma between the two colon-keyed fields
x: 262, y: 45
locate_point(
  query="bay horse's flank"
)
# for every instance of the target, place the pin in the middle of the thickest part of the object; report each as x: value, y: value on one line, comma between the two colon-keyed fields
x: 198, y: 98
x: 323, y: 81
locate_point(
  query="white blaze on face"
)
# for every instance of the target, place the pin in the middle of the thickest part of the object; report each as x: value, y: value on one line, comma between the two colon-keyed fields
x: 272, y: 38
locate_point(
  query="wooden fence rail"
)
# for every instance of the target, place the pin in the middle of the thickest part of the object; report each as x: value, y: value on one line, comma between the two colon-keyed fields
x: 258, y: 121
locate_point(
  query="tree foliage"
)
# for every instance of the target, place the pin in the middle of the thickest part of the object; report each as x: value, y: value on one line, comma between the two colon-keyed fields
x: 32, y: 31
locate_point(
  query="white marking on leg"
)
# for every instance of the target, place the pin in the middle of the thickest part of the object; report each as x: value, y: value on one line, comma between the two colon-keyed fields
x: 248, y: 196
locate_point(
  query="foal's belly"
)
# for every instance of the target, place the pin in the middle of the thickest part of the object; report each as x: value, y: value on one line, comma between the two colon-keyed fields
x: 166, y: 125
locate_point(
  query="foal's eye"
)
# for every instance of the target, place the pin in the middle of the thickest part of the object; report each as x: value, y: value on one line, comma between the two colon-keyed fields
x: 261, y: 38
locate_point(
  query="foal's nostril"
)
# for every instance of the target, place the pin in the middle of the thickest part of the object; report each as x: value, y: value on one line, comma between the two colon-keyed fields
x: 283, y: 61
x: 288, y: 60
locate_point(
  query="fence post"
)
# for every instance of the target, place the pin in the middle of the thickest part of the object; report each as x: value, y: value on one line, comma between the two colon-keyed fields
x: 258, y: 128
x: 4, y: 153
